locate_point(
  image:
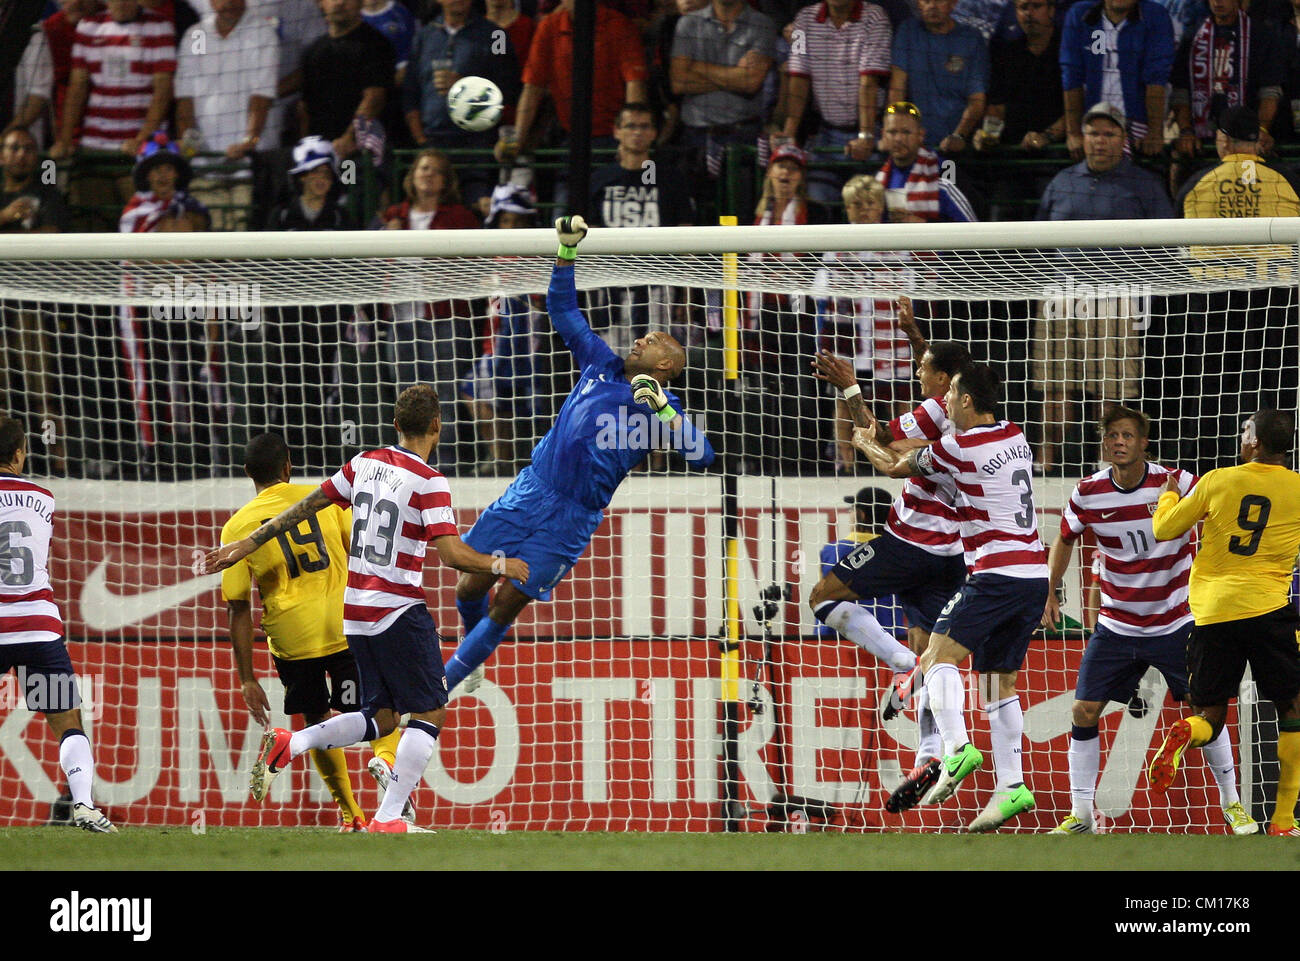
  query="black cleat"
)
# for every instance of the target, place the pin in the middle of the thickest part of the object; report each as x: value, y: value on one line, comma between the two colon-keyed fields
x: 908, y: 794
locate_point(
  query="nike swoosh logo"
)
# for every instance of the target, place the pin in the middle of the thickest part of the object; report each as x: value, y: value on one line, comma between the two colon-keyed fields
x: 1109, y: 514
x: 103, y: 610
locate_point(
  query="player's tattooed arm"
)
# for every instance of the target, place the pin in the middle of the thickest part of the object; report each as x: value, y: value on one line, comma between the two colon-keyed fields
x: 891, y: 462
x: 839, y: 373
x: 288, y: 519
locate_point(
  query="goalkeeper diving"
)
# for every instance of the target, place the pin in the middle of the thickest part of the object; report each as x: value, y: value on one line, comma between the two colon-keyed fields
x: 618, y: 411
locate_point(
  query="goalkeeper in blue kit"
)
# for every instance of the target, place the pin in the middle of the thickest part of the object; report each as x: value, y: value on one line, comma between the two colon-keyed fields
x: 618, y: 411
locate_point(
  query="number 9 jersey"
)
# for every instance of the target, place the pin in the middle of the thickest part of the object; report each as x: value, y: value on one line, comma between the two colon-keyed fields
x: 1248, y: 543
x: 301, y: 575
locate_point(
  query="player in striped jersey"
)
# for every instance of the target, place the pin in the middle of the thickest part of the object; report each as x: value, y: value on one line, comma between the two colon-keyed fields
x: 31, y: 630
x: 400, y: 505
x: 1239, y: 597
x: 918, y: 557
x: 994, y: 615
x: 301, y: 579
x: 1144, y: 619
x: 550, y: 511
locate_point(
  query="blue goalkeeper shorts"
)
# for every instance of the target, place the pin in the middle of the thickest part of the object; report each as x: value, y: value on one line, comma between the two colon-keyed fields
x: 532, y: 522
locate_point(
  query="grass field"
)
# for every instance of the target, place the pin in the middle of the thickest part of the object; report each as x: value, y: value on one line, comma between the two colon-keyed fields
x: 318, y: 849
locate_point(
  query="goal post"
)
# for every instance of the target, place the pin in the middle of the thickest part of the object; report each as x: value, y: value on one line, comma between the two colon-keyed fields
x: 643, y: 696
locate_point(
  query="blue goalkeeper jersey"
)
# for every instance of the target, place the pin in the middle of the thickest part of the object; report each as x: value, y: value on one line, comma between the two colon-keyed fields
x: 601, y: 433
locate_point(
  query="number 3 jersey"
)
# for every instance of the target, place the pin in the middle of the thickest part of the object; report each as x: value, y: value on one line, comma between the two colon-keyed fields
x: 1248, y: 543
x: 992, y: 468
x: 28, y: 614
x: 1143, y: 581
x: 300, y: 575
x: 399, y: 504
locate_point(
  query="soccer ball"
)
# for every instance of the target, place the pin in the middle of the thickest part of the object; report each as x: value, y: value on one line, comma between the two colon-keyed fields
x: 474, y: 103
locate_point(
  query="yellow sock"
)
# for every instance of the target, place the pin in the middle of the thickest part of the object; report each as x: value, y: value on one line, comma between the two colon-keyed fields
x: 1288, y: 782
x: 386, y: 746
x: 333, y: 768
x: 1202, y: 732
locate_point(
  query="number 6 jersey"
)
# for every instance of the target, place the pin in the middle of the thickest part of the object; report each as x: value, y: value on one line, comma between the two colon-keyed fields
x: 28, y: 614
x: 992, y: 468
x: 399, y: 504
x: 1143, y: 582
x: 1248, y: 543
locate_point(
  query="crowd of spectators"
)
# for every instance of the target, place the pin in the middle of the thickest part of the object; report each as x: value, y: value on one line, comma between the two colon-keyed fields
x: 255, y: 114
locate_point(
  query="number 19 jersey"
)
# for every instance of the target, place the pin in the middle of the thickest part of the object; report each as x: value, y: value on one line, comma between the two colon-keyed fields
x: 300, y: 575
x: 399, y: 504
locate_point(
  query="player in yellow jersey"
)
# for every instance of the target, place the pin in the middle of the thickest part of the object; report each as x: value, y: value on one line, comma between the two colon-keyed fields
x: 300, y: 577
x: 1240, y: 586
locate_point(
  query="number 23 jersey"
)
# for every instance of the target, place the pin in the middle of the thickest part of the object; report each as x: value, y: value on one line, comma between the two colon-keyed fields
x: 300, y: 575
x: 1248, y: 543
x: 992, y: 468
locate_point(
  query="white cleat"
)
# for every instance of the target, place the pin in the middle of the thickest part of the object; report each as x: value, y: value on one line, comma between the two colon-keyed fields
x: 472, y: 680
x: 383, y: 774
x: 91, y: 819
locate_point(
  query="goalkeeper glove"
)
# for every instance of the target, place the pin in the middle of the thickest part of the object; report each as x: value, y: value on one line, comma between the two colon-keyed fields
x: 646, y: 390
x: 570, y: 231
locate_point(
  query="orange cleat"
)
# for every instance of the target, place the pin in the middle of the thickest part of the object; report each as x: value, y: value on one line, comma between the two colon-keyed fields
x: 270, y: 759
x: 356, y: 826
x: 1164, y: 766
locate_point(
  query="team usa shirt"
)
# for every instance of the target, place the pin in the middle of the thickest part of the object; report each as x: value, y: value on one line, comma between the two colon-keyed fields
x: 399, y: 503
x: 28, y: 614
x: 1143, y: 581
x: 923, y: 514
x: 992, y: 468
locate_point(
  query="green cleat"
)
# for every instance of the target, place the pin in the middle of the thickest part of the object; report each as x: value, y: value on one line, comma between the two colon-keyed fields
x: 956, y: 767
x: 1002, y: 808
x: 1241, y: 823
x: 1072, y: 825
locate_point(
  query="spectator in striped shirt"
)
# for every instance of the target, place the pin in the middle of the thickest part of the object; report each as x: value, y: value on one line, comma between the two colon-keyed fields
x: 1145, y: 620
x: 917, y: 190
x: 400, y: 505
x: 992, y: 619
x: 839, y: 52
x: 121, y: 82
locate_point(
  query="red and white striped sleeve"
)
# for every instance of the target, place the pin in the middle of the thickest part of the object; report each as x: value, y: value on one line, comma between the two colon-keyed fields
x: 875, y: 55
x: 433, y: 503
x: 339, y: 487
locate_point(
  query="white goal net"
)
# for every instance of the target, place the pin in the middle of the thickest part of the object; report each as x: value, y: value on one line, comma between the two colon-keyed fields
x: 638, y: 698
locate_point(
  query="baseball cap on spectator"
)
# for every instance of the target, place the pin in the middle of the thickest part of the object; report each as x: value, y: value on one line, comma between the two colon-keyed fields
x: 511, y: 199
x: 1239, y: 123
x: 1109, y: 111
x: 155, y: 151
x: 310, y: 153
x: 788, y: 151
x: 874, y: 501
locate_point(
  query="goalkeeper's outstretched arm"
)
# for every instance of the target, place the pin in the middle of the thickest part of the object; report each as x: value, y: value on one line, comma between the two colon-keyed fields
x: 562, y: 298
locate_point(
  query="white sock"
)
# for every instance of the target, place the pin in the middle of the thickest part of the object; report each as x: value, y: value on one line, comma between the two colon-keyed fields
x: 413, y: 752
x: 860, y: 626
x: 1007, y: 725
x: 1085, y: 764
x: 931, y: 744
x: 79, y: 766
x: 1218, y: 755
x: 948, y: 705
x: 337, y: 731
